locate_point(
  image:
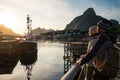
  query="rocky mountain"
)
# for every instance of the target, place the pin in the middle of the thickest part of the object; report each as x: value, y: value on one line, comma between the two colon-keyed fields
x: 7, y: 31
x: 83, y: 22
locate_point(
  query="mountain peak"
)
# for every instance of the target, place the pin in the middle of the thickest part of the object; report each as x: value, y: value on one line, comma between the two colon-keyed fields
x: 89, y: 11
x: 83, y: 22
x: 87, y: 19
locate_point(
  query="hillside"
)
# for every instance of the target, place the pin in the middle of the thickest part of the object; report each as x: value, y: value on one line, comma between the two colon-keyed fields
x: 7, y: 31
x: 39, y: 31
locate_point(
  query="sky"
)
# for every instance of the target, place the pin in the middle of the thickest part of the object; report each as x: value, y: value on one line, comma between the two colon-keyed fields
x: 52, y: 14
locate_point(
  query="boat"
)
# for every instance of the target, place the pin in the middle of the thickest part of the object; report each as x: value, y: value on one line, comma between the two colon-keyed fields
x: 28, y: 47
x: 28, y: 50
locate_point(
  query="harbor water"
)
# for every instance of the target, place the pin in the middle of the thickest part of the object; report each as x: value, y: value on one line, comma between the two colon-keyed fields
x: 49, y: 64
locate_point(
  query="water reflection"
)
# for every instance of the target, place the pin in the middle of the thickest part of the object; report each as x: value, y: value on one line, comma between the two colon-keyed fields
x: 28, y: 69
x: 7, y: 63
x: 28, y: 59
x: 48, y: 65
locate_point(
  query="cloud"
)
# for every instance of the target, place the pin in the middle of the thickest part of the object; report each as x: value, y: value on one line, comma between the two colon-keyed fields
x: 107, y: 9
x: 104, y: 10
x: 47, y: 12
x: 111, y: 13
x: 53, y: 13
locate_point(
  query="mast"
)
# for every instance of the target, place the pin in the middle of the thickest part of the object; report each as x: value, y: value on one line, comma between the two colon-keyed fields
x: 29, y: 28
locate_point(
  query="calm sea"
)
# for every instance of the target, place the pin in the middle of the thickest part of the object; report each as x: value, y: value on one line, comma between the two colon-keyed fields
x: 49, y: 64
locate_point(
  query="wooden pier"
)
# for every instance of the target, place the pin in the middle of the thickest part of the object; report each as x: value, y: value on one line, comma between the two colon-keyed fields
x: 8, y: 46
x: 9, y: 55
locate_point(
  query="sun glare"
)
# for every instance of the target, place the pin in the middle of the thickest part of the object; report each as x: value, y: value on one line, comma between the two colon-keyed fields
x: 8, y: 20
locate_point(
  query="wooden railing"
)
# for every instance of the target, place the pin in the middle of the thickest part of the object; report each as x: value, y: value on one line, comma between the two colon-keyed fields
x: 72, y: 72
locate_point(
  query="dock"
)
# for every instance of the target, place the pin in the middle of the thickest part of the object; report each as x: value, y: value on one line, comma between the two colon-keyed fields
x: 9, y: 46
x: 9, y: 55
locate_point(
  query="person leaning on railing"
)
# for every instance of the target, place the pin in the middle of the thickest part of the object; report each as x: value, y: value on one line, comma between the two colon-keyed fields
x: 102, y: 29
x: 93, y: 38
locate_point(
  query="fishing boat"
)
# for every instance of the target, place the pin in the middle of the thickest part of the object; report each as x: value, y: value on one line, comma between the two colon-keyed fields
x: 29, y: 45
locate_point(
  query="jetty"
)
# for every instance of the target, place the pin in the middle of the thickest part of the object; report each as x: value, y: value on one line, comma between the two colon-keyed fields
x: 9, y: 55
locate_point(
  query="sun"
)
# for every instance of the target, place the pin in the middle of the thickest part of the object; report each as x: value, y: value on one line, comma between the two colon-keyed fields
x: 7, y: 19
